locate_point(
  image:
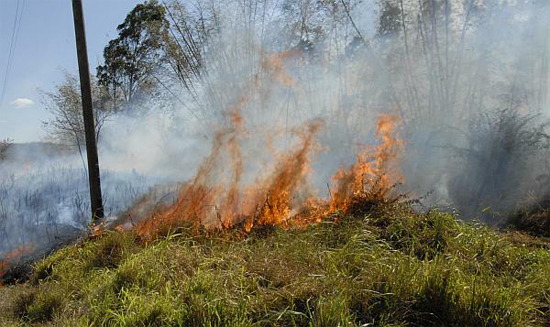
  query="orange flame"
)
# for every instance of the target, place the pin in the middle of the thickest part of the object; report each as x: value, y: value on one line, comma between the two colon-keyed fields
x: 289, y: 176
x: 207, y: 202
x: 12, y: 257
x: 217, y: 199
x: 372, y: 168
x: 273, y: 199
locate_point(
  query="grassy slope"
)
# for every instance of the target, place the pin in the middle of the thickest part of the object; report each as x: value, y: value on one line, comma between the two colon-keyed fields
x: 390, y: 268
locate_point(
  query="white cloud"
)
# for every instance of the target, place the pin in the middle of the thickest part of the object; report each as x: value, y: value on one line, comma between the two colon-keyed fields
x: 22, y: 103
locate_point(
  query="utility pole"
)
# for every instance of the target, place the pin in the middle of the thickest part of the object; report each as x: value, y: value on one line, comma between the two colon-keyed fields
x: 89, y: 128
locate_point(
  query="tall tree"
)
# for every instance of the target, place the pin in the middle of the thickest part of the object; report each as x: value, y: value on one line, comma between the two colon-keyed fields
x: 131, y: 59
x: 183, y: 45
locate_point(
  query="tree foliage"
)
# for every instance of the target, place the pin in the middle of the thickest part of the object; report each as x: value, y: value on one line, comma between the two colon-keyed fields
x: 184, y: 44
x: 132, y: 57
x: 389, y: 21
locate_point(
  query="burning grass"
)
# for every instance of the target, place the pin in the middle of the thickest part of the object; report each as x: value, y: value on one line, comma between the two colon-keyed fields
x: 280, y: 195
x: 389, y: 266
x: 236, y: 250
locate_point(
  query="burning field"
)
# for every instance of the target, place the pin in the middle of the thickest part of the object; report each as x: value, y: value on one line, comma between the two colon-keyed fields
x: 314, y: 163
x: 383, y: 264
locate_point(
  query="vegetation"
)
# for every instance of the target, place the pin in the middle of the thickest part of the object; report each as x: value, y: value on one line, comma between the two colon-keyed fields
x: 386, y: 267
x: 534, y: 220
x: 64, y: 103
x: 434, y: 64
x: 4, y: 145
x: 38, y: 212
x: 131, y: 58
x: 497, y: 144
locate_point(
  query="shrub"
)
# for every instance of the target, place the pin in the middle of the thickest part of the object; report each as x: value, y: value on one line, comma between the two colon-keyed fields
x: 498, y: 161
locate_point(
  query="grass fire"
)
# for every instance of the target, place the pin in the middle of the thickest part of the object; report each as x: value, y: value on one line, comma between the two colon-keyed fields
x: 277, y: 163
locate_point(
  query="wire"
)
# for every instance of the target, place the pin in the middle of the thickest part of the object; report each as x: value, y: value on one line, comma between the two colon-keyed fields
x: 13, y: 44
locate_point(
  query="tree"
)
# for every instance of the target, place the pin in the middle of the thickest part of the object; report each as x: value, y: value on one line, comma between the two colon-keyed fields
x: 65, y: 104
x: 4, y: 145
x: 132, y: 57
x: 389, y: 22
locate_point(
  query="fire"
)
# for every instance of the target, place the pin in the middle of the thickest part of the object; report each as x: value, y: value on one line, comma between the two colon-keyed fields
x: 95, y: 230
x: 13, y: 256
x: 212, y: 202
x: 274, y: 66
x: 291, y: 172
x: 374, y: 171
x: 219, y: 196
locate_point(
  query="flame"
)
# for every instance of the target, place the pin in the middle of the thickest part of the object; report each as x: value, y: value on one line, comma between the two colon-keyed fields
x: 212, y: 202
x: 375, y: 170
x: 207, y: 202
x: 12, y: 257
x: 219, y: 197
x: 289, y: 176
x: 273, y: 65
x: 96, y: 229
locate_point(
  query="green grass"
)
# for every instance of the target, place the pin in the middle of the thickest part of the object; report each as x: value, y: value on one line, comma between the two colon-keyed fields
x: 387, y: 268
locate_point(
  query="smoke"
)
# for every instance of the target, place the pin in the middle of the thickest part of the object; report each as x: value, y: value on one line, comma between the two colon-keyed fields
x: 48, y: 204
x: 466, y: 80
x: 483, y: 148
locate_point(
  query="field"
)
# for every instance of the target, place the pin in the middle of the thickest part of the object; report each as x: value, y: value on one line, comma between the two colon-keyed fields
x: 386, y: 266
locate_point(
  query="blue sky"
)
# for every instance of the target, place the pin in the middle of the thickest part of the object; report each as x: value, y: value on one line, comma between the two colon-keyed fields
x: 46, y: 45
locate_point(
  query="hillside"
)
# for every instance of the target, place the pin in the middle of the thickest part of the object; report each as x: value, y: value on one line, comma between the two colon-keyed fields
x: 385, y: 267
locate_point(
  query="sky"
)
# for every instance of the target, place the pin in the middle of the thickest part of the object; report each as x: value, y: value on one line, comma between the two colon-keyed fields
x: 44, y: 47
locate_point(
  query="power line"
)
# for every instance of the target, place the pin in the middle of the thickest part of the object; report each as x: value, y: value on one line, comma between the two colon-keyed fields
x: 13, y: 44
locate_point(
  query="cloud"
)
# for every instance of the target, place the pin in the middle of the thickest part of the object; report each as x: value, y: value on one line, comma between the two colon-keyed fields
x: 22, y: 103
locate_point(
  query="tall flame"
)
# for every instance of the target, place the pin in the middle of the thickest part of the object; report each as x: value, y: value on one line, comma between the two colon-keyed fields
x: 216, y: 198
x: 212, y: 203
x: 272, y: 198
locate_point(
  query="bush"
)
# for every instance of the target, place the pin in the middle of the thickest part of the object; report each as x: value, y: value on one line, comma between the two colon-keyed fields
x: 4, y: 145
x: 535, y: 221
x: 500, y: 163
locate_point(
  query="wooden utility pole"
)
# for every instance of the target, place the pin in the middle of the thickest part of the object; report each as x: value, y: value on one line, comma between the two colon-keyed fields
x: 89, y: 128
